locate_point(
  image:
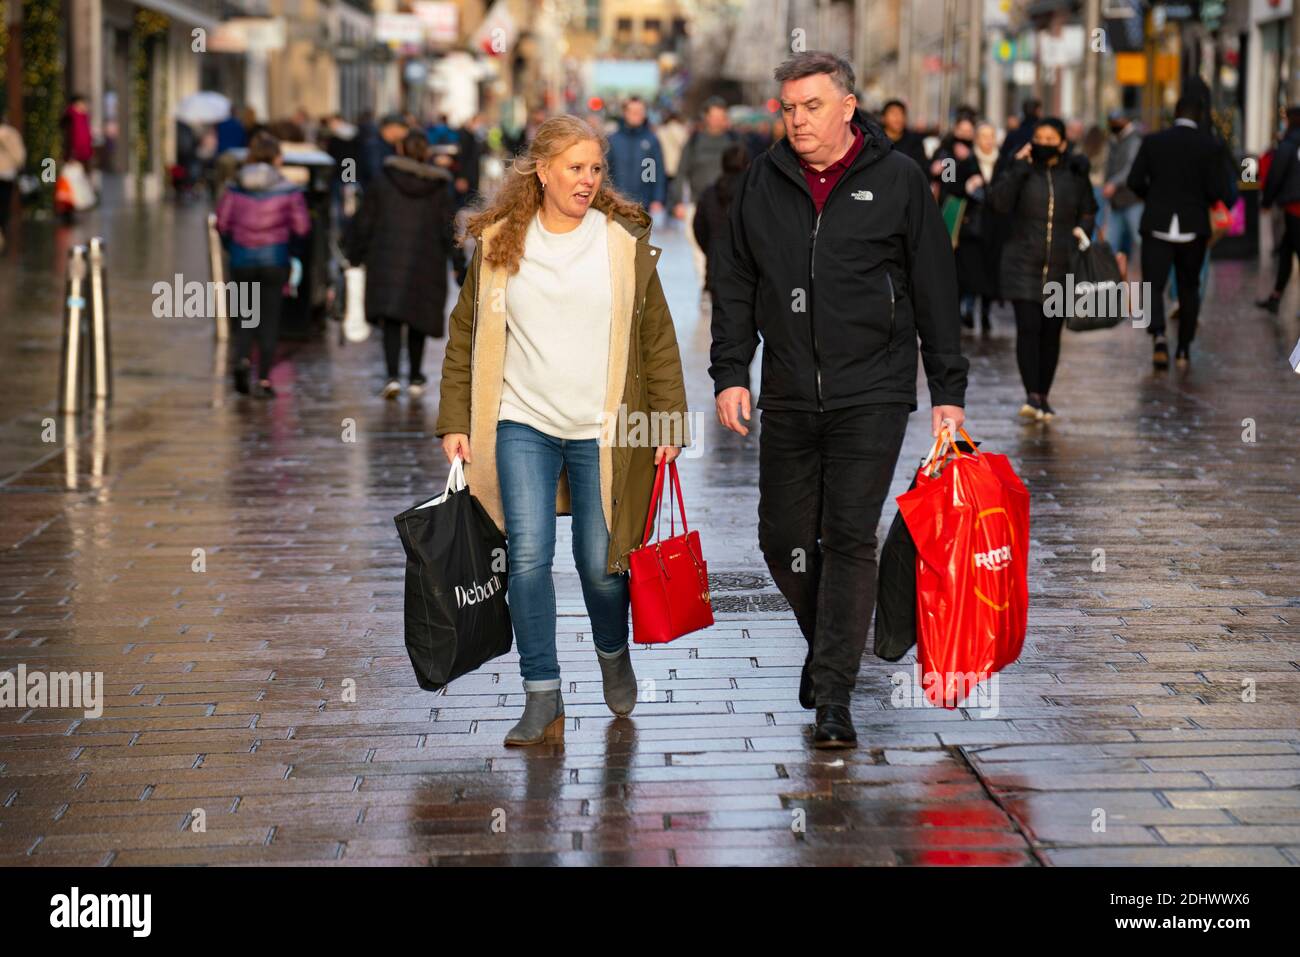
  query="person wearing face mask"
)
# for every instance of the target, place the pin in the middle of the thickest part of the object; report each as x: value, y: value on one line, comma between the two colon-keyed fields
x: 1051, y: 207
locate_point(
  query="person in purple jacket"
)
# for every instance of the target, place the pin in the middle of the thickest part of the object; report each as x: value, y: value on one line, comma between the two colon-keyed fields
x: 256, y: 217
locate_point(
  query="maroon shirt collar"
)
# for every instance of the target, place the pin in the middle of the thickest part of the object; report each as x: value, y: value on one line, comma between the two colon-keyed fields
x: 840, y: 165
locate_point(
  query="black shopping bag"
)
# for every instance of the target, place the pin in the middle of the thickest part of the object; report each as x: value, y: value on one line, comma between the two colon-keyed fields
x: 1097, y: 275
x: 456, y: 573
x: 896, y: 592
x: 896, y: 586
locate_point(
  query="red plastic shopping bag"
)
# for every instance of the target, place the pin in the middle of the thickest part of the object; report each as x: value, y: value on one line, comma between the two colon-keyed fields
x: 969, y: 517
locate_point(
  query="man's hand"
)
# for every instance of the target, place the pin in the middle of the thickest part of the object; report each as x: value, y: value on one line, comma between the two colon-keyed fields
x: 1024, y: 151
x: 679, y: 211
x: 656, y: 208
x: 666, y: 453
x: 727, y: 401
x: 1108, y: 190
x: 950, y: 417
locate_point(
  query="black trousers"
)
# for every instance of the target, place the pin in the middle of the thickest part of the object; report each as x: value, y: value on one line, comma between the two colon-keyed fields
x: 1186, y: 259
x: 1288, y: 249
x: 1038, y: 345
x: 268, y: 300
x: 822, y: 479
x: 393, y: 348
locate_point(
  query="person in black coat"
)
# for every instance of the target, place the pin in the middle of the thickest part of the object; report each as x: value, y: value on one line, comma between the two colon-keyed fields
x: 403, y: 235
x: 1179, y: 173
x: 893, y: 117
x: 710, y: 222
x: 1282, y: 188
x: 978, y: 241
x: 1051, y: 207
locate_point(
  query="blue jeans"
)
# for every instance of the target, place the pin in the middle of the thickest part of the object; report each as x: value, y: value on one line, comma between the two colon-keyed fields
x: 528, y: 467
x: 1122, y: 228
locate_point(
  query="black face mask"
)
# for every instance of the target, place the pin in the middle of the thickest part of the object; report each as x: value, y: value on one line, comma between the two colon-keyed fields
x: 1042, y: 154
x: 1117, y: 130
x: 969, y: 144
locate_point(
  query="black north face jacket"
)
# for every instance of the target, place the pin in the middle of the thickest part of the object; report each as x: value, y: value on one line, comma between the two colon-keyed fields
x: 838, y: 299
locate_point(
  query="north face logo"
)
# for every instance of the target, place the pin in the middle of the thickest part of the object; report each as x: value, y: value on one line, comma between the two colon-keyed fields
x: 864, y: 194
x: 995, y: 559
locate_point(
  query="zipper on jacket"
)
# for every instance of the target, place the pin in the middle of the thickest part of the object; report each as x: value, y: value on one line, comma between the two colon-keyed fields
x: 812, y: 326
x: 889, y: 347
x: 1051, y: 211
x: 797, y: 179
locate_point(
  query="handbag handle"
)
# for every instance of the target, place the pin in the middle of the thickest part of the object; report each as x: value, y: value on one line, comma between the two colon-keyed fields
x: 656, y: 497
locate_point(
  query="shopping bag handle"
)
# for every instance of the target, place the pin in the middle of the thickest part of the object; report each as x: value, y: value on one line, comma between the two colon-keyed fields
x: 943, y: 444
x: 669, y: 468
x: 455, y: 477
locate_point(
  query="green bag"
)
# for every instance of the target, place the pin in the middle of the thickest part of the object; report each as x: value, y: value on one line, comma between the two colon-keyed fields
x: 953, y: 211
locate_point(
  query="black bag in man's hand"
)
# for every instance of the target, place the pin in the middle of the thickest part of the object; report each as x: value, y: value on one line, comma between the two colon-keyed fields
x: 896, y: 592
x: 896, y: 586
x: 456, y: 573
x: 1097, y: 276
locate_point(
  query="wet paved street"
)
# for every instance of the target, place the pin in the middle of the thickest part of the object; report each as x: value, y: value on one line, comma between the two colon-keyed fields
x: 1121, y: 735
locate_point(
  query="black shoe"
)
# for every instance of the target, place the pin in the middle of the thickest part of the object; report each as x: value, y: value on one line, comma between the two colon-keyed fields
x: 834, y: 727
x: 241, y: 379
x: 1160, y: 353
x: 264, y: 389
x: 807, y: 697
x: 967, y: 320
x: 986, y: 324
x: 1270, y: 304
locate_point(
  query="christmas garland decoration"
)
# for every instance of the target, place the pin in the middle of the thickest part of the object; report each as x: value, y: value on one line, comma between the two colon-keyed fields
x: 149, y: 30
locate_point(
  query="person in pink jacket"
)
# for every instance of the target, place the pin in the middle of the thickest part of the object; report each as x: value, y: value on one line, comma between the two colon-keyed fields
x: 257, y: 215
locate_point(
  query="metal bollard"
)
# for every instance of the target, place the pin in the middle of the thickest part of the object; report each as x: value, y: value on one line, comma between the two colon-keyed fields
x: 75, y: 345
x: 218, y: 279
x: 101, y: 368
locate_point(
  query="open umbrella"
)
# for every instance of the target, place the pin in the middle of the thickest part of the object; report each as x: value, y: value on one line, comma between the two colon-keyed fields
x: 200, y: 109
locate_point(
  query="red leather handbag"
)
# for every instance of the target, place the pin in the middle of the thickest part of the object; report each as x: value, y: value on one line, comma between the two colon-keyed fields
x: 670, y: 581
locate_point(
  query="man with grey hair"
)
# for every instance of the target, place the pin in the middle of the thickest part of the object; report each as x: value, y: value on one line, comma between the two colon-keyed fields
x: 838, y: 259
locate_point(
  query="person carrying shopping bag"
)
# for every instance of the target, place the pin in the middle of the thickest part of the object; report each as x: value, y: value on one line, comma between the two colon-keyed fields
x: 838, y: 259
x: 562, y: 333
x: 1051, y: 206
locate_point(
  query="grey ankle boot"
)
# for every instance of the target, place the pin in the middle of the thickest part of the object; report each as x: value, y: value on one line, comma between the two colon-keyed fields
x: 619, y: 681
x: 543, y: 719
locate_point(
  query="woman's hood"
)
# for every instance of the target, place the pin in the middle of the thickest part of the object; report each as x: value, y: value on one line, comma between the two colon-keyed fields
x: 413, y: 177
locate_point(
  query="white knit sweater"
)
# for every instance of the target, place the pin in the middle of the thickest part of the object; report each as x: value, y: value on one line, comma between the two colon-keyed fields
x: 558, y: 312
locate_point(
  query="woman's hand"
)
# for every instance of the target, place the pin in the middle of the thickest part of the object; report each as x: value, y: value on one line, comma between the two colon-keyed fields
x: 454, y: 444
x: 666, y: 453
x: 1024, y: 151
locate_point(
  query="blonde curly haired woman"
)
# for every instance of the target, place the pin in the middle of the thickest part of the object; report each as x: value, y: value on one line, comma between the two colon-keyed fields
x: 562, y: 332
